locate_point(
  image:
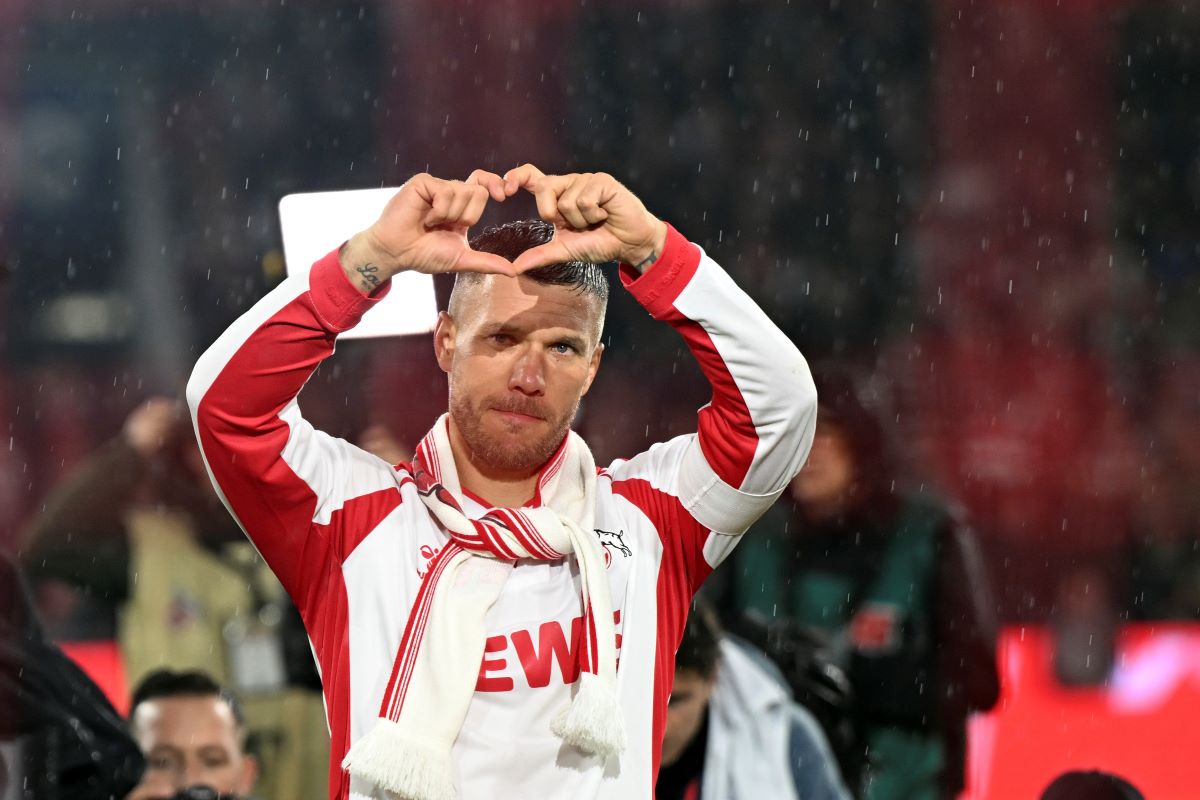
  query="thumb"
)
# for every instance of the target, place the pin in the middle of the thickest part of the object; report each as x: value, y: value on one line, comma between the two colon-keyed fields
x: 475, y: 261
x: 552, y: 252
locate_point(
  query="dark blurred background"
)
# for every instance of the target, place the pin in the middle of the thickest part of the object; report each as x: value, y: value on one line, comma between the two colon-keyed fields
x: 990, y: 209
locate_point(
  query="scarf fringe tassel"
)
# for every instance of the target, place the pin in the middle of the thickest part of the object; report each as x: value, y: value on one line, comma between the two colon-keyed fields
x: 410, y: 770
x: 593, y: 722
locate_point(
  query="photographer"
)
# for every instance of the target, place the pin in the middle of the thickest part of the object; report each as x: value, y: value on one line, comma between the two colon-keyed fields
x: 193, y: 736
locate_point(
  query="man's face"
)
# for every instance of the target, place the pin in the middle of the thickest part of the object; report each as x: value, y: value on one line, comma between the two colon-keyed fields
x: 518, y: 361
x: 190, y: 741
x: 685, y: 712
x: 824, y: 483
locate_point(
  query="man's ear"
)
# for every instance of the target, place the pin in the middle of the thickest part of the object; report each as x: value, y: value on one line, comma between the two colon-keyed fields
x: 249, y: 776
x: 594, y: 367
x: 444, y: 334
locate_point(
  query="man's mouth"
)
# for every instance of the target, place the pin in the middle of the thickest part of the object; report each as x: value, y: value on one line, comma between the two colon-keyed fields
x: 519, y: 414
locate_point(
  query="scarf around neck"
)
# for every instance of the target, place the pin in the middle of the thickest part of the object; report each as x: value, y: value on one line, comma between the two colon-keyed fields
x: 408, y: 751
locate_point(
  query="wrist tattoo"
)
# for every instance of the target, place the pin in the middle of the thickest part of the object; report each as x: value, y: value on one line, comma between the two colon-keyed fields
x: 369, y: 277
x: 646, y: 262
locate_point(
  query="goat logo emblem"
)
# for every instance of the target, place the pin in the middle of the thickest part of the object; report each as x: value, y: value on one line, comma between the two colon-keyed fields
x: 614, y: 542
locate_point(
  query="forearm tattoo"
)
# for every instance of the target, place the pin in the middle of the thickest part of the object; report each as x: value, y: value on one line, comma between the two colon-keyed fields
x: 646, y: 262
x: 369, y: 277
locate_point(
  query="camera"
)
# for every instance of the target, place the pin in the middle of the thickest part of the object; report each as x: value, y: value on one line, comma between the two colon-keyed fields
x: 202, y: 793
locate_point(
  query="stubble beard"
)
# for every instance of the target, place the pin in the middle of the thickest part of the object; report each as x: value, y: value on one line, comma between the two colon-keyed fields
x: 514, y: 454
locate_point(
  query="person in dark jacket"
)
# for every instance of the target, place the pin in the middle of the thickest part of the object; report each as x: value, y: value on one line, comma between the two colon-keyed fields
x: 894, y: 583
x: 60, y: 736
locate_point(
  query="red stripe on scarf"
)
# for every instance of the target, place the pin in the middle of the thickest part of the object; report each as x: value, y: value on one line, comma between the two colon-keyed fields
x: 414, y: 631
x: 529, y: 535
x: 551, y: 551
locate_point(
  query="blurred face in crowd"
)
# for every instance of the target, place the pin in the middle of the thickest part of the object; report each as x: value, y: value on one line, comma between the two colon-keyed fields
x: 190, y: 741
x: 823, y: 486
x: 685, y: 712
x: 519, y: 355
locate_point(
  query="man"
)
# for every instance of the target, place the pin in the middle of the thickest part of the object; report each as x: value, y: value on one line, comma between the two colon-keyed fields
x: 893, y: 582
x: 192, y: 734
x: 466, y: 609
x: 733, y: 732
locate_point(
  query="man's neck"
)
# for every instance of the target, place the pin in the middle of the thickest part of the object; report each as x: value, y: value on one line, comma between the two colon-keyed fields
x: 499, y: 489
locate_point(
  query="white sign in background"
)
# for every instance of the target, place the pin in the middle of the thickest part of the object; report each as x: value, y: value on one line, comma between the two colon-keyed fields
x: 314, y: 223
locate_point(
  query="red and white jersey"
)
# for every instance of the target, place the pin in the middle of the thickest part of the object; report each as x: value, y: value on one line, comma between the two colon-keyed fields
x: 349, y: 538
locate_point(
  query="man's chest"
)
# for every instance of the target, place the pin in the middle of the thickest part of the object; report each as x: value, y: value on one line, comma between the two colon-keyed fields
x: 535, y: 626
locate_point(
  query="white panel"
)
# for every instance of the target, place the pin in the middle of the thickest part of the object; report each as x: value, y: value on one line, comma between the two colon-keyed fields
x: 314, y: 223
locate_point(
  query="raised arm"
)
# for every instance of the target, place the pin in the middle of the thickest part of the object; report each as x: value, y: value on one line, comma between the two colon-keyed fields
x: 755, y: 434
x: 290, y: 486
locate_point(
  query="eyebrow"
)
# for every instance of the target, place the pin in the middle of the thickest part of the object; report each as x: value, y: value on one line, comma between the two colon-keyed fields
x: 490, y: 328
x: 166, y: 750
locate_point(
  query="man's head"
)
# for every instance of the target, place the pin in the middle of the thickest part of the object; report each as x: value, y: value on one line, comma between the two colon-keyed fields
x: 695, y: 676
x: 848, y: 466
x: 1090, y: 785
x: 192, y: 734
x: 520, y: 352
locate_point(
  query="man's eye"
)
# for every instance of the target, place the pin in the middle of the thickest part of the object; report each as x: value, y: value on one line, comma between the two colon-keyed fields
x: 160, y: 762
x: 500, y: 338
x: 564, y: 348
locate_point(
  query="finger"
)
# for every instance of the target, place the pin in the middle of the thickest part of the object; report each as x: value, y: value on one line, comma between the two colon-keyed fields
x: 568, y: 203
x: 443, y: 196
x: 475, y: 261
x: 463, y: 195
x: 592, y: 197
x: 546, y: 190
x: 490, y: 181
x: 552, y: 252
x: 521, y: 177
x: 474, y: 210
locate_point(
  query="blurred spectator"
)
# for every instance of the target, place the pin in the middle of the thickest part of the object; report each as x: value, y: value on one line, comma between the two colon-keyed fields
x: 732, y: 730
x: 895, y: 583
x: 139, y: 528
x: 1085, y: 627
x: 1166, y: 547
x: 193, y: 734
x: 1090, y: 786
x: 60, y: 738
x: 379, y: 440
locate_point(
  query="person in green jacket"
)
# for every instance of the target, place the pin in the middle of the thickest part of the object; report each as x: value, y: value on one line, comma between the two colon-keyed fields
x: 893, y: 585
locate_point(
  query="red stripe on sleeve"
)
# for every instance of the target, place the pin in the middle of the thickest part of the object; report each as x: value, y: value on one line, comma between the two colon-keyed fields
x: 243, y: 439
x: 726, y: 430
x: 682, y: 571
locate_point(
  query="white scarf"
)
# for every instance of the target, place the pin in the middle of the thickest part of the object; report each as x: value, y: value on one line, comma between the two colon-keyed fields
x: 407, y: 752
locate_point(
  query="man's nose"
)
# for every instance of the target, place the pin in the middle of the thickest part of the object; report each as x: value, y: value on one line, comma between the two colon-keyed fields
x: 194, y: 775
x: 529, y: 374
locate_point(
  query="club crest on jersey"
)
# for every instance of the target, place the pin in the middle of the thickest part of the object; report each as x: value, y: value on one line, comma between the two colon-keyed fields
x: 428, y: 553
x: 875, y: 629
x: 613, y: 543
